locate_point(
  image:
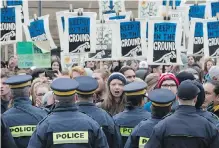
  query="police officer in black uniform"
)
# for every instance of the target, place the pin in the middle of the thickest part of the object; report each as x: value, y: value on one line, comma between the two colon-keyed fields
x: 85, y: 92
x: 65, y: 126
x: 161, y: 105
x: 200, y: 100
x: 185, y: 128
x: 22, y: 118
x: 7, y: 141
x: 134, y: 112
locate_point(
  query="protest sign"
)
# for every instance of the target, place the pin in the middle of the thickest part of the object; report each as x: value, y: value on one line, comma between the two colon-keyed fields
x: 196, y: 38
x: 197, y: 11
x: 132, y: 39
x: 38, y: 30
x: 171, y: 2
x: 117, y: 16
x: 106, y: 43
x: 61, y: 24
x: 34, y: 54
x: 24, y: 9
x: 10, y: 25
x: 148, y: 8
x: 111, y: 6
x: 214, y: 8
x: 164, y: 40
x: 25, y: 54
x: 68, y: 60
x: 80, y: 37
x: 211, y: 36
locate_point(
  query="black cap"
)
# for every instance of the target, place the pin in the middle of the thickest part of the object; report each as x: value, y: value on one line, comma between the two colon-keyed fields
x: 161, y: 97
x: 87, y: 85
x: 187, y: 90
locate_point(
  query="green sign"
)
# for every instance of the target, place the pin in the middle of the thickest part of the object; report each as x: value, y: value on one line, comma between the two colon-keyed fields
x: 28, y: 57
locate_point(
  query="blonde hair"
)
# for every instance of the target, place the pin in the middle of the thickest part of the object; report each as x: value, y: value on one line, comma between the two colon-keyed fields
x: 104, y: 73
x: 78, y: 69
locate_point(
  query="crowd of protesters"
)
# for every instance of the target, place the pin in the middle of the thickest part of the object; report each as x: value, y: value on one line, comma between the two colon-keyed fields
x: 110, y: 95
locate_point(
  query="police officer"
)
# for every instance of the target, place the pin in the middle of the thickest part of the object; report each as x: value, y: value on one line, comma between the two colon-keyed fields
x: 65, y: 126
x: 161, y: 105
x: 22, y: 118
x: 85, y: 92
x: 185, y: 128
x: 200, y: 100
x: 7, y: 140
x: 134, y: 112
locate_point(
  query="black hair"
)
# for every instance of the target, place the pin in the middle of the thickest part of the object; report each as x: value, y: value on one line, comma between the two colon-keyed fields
x: 160, y: 112
x: 216, y: 88
x: 133, y: 101
x: 60, y: 66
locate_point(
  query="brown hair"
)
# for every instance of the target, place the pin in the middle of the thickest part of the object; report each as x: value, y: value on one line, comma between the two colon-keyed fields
x: 110, y: 105
x: 205, y: 64
x: 125, y: 68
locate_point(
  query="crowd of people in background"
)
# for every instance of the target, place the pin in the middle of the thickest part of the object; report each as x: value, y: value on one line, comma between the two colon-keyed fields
x: 112, y: 91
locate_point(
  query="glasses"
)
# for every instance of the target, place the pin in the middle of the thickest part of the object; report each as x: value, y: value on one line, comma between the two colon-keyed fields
x: 168, y: 86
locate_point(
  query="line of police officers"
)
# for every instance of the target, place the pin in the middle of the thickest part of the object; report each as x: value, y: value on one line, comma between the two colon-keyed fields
x: 77, y: 122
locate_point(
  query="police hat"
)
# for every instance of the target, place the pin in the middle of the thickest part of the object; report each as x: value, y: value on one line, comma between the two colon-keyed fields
x: 64, y: 86
x: 187, y: 90
x: 87, y: 85
x: 161, y: 97
x: 135, y: 89
x: 19, y: 81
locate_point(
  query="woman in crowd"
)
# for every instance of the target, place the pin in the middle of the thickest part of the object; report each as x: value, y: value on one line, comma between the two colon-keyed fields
x: 77, y: 71
x: 116, y: 66
x: 56, y: 66
x: 41, y: 90
x: 114, y: 100
x: 207, y: 66
x: 101, y: 75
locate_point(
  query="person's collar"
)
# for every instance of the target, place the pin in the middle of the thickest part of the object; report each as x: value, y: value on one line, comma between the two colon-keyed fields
x: 186, y: 109
x: 82, y: 103
x: 22, y: 101
x: 65, y: 107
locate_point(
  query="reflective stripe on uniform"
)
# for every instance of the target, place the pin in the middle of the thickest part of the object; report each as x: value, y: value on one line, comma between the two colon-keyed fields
x: 20, y: 131
x: 70, y: 137
x: 125, y: 131
x: 142, y: 141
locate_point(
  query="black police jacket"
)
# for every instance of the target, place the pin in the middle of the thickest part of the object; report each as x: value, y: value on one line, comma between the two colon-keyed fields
x: 184, y: 129
x: 128, y: 119
x: 105, y: 121
x: 141, y: 133
x: 66, y: 127
x: 22, y: 119
x: 7, y: 140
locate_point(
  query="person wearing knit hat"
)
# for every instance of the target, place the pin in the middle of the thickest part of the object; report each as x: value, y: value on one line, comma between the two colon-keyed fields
x: 151, y: 81
x: 114, y: 100
x: 169, y: 81
x: 183, y: 75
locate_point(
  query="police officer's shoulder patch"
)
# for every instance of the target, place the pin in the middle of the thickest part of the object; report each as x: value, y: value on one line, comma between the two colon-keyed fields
x: 169, y: 114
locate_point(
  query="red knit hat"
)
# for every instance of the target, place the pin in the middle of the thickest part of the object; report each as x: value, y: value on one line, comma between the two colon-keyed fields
x: 167, y: 76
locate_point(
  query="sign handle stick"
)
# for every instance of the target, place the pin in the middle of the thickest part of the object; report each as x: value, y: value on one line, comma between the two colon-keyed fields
x: 6, y: 52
